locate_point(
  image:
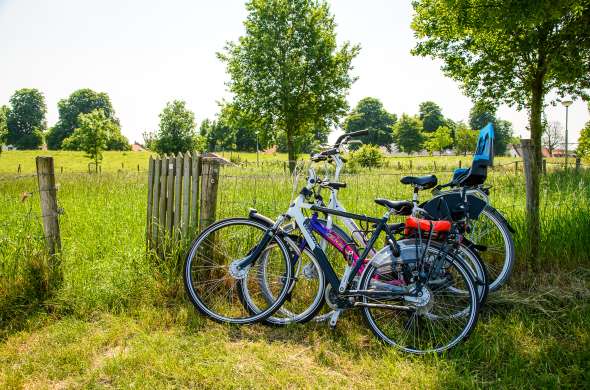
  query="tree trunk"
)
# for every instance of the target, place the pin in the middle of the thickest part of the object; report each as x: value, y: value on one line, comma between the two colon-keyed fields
x: 291, y: 150
x: 532, y: 196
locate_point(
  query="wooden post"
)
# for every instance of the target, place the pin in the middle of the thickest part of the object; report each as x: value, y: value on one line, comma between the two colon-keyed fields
x: 49, y: 211
x: 434, y: 163
x: 18, y: 169
x: 399, y: 165
x: 578, y: 163
x: 148, y: 226
x: 410, y: 164
x: 195, y: 173
x: 516, y: 167
x: 459, y: 163
x: 177, y: 195
x: 186, y: 194
x: 209, y: 185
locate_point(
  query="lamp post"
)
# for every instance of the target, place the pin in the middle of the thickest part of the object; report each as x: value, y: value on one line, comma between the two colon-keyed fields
x: 566, y: 104
x: 257, y: 158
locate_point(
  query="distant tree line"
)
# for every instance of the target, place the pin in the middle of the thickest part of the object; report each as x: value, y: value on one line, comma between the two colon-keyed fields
x: 23, y: 123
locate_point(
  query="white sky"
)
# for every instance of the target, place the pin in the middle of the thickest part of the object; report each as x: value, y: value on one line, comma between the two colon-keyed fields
x: 144, y: 53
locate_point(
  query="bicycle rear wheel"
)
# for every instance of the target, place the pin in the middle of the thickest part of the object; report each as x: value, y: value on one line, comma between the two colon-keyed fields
x: 432, y: 320
x: 214, y: 286
x: 491, y: 235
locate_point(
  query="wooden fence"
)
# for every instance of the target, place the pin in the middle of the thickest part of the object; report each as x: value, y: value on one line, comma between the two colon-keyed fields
x: 182, y: 196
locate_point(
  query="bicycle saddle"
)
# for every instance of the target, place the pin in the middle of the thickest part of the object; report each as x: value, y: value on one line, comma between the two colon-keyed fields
x: 424, y: 182
x: 402, y: 207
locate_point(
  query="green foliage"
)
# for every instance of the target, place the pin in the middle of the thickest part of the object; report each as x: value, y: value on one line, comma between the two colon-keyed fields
x: 82, y: 101
x: 25, y: 120
x: 370, y: 114
x: 465, y: 139
x: 287, y: 70
x: 408, y: 134
x: 583, y: 149
x: 3, y: 125
x: 177, y: 130
x: 431, y: 116
x: 503, y: 134
x: 93, y: 135
x: 368, y: 156
x: 439, y: 140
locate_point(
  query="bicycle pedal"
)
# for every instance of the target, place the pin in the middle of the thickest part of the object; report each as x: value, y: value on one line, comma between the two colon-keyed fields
x: 334, y: 318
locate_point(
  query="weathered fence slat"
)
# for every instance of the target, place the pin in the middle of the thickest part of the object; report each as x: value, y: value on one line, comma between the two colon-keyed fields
x: 186, y: 194
x: 177, y: 195
x: 209, y: 185
x: 163, y: 185
x: 148, y: 225
x: 179, y: 199
x: 156, y: 200
x: 196, y: 173
x: 170, y: 195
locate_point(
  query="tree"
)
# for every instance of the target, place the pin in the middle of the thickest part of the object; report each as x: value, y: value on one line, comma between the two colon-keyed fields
x: 3, y: 126
x: 503, y: 135
x: 514, y: 53
x: 465, y: 139
x: 25, y: 121
x: 583, y: 149
x: 439, y: 140
x: 92, y: 135
x: 82, y: 101
x: 481, y: 114
x: 408, y: 134
x: 552, y: 136
x: 369, y: 114
x: 287, y: 69
x: 431, y: 116
x: 177, y: 129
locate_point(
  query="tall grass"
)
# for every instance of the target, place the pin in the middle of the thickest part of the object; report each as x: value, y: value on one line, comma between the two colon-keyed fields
x: 104, y: 261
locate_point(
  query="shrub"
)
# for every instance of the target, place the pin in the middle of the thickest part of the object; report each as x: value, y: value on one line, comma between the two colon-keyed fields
x: 368, y: 156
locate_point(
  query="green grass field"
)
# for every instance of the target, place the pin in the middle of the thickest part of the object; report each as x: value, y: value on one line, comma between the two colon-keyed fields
x: 119, y: 320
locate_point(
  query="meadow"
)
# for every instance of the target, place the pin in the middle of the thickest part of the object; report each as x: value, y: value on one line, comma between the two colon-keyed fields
x: 118, y: 318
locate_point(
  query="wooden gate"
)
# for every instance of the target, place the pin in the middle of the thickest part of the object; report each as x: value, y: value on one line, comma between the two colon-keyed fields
x: 182, y: 196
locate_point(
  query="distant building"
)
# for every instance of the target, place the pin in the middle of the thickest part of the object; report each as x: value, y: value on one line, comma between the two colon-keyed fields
x: 137, y: 147
x: 8, y: 147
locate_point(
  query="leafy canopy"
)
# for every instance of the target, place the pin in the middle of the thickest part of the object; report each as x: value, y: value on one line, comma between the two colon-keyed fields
x: 93, y: 134
x: 177, y: 132
x: 370, y: 114
x: 82, y: 101
x: 583, y: 149
x: 287, y: 69
x: 25, y: 120
x: 431, y: 116
x: 439, y: 140
x: 3, y: 125
x: 408, y: 134
x: 368, y: 156
x: 465, y: 139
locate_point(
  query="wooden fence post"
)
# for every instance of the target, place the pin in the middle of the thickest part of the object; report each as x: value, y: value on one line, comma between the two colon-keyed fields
x: 170, y: 195
x: 516, y: 167
x: 49, y: 211
x: 209, y: 185
x: 578, y: 163
x: 186, y: 194
x: 177, y: 195
x: 163, y: 185
x: 156, y: 201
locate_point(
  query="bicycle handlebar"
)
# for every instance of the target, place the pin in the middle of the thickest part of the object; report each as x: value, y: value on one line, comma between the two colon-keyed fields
x: 359, y: 133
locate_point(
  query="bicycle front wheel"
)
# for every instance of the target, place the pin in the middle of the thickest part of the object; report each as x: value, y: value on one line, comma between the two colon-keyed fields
x: 215, y: 287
